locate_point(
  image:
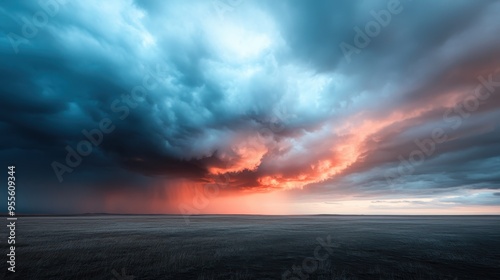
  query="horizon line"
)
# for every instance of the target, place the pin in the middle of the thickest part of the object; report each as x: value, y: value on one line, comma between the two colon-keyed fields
x: 200, y: 215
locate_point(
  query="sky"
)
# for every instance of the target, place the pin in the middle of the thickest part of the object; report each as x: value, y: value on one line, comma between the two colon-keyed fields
x: 251, y: 107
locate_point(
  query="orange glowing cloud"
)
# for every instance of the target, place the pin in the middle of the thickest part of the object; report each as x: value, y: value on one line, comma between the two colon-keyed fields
x: 244, y: 153
x: 348, y: 144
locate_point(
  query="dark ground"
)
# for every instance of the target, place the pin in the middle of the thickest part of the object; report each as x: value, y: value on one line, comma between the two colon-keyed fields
x: 254, y: 247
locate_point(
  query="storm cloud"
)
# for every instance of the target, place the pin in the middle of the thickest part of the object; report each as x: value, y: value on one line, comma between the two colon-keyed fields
x: 124, y: 96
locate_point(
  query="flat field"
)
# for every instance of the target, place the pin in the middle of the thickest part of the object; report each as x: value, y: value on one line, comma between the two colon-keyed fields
x: 255, y: 247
